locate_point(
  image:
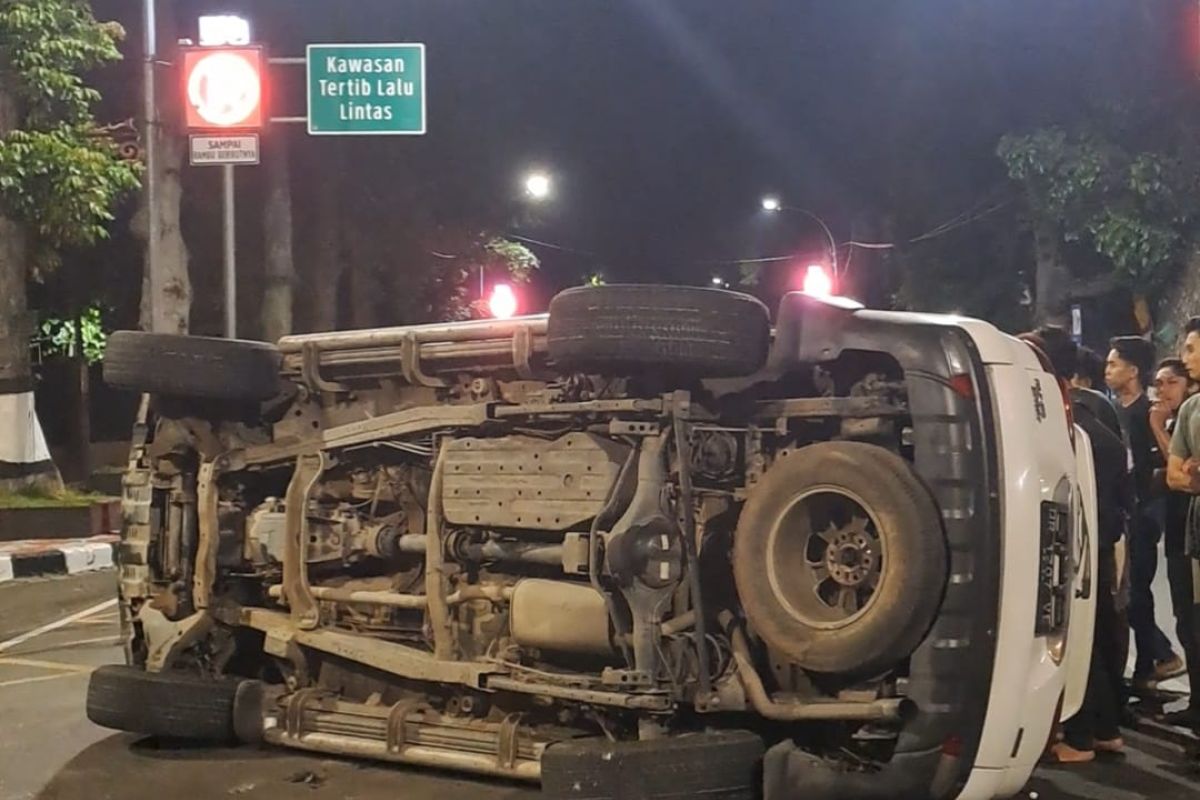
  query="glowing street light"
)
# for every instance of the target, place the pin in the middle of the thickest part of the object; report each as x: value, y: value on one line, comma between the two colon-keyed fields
x: 772, y: 204
x: 217, y: 30
x: 538, y: 185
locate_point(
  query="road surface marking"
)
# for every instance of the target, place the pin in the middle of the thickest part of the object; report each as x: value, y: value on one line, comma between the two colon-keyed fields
x: 1145, y: 762
x: 14, y: 661
x: 39, y: 679
x: 53, y: 626
x: 113, y: 639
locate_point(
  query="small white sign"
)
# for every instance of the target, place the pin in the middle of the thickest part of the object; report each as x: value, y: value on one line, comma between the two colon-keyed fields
x: 209, y: 151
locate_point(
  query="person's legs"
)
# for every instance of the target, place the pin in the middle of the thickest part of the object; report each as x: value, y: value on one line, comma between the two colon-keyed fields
x: 1096, y: 723
x: 1187, y: 620
x: 1152, y: 644
x: 1080, y: 731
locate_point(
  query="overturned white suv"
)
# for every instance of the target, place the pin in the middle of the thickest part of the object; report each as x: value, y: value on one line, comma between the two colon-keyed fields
x: 647, y: 545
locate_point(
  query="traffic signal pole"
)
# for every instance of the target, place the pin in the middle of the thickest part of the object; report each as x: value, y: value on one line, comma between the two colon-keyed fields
x: 229, y: 230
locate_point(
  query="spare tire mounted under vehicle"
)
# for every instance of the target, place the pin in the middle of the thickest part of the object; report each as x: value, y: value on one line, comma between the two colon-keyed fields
x: 680, y: 330
x: 840, y: 558
x: 233, y: 370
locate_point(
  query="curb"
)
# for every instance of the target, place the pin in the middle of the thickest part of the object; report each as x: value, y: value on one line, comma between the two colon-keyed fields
x: 60, y: 522
x: 31, y: 557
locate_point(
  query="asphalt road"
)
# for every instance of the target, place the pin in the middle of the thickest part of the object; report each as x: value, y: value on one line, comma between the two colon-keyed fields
x: 54, y: 631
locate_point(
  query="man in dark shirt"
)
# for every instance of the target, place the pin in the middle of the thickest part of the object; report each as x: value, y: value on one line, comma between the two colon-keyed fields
x: 1095, y: 726
x: 1128, y: 369
x: 1174, y: 386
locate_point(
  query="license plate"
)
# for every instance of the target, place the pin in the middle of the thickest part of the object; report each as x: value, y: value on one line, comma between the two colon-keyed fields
x: 1054, y: 568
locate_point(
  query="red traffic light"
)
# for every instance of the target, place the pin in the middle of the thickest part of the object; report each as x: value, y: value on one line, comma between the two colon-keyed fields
x: 502, y: 303
x: 817, y: 281
x: 223, y: 87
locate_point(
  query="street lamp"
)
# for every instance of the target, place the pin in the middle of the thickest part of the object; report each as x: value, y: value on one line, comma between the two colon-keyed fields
x: 538, y: 185
x: 773, y: 204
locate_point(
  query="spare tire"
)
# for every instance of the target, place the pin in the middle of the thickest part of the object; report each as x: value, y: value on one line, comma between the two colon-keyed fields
x: 840, y: 558
x: 192, y: 366
x: 678, y: 329
x: 718, y: 765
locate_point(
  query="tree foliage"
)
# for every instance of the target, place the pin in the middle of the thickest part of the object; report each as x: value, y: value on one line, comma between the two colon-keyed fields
x: 57, y: 336
x: 1135, y: 209
x: 60, y: 173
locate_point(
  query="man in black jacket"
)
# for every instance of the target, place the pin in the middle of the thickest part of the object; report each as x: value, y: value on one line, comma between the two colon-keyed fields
x: 1096, y: 726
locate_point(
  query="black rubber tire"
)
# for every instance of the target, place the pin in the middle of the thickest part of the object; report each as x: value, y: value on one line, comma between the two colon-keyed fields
x: 724, y: 765
x: 679, y: 329
x: 192, y: 366
x: 912, y: 576
x: 167, y: 704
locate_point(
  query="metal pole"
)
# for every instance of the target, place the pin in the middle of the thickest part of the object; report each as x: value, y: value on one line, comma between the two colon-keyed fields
x: 150, y: 112
x: 230, y: 234
x: 828, y: 235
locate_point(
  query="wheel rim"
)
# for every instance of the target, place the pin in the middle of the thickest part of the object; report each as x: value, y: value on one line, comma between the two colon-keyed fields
x: 826, y: 558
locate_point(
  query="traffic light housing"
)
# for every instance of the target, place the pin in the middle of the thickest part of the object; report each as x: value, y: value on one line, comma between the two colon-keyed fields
x: 223, y: 88
x: 817, y: 281
x: 502, y: 302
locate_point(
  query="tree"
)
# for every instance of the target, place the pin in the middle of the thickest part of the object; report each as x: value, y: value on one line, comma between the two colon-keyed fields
x: 1106, y: 211
x: 169, y: 311
x: 60, y: 174
x: 277, y: 311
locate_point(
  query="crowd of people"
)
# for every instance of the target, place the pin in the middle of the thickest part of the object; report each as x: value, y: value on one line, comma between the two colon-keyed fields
x: 1143, y: 421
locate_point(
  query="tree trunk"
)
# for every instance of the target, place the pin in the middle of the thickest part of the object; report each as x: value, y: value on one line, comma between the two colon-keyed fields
x: 1053, y: 280
x: 364, y: 286
x: 169, y: 311
x: 82, y: 468
x: 24, y: 458
x: 328, y: 262
x: 1180, y: 302
x: 277, y: 236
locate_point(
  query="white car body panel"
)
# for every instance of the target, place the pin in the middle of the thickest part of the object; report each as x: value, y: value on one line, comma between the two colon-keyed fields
x: 1083, y: 607
x: 1037, y: 463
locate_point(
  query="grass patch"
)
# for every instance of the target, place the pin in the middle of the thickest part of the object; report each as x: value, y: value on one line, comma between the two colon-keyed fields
x: 64, y: 498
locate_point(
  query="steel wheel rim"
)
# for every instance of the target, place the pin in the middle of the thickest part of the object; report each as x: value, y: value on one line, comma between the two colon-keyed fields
x: 826, y: 558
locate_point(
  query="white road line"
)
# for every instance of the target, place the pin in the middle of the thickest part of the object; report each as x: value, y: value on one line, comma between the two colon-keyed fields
x: 40, y: 678
x: 53, y: 626
x: 37, y: 663
x: 113, y: 639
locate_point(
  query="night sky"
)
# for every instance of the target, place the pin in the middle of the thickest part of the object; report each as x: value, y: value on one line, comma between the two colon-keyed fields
x: 663, y: 123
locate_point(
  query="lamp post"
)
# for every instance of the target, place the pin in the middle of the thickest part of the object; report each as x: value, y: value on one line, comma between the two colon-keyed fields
x: 773, y: 205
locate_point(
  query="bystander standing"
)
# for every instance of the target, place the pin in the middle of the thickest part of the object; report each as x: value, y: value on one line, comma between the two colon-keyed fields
x: 1183, y: 475
x: 1095, y: 727
x: 1128, y: 369
x: 1173, y: 386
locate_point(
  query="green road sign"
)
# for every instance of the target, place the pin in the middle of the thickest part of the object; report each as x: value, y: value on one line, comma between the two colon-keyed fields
x: 366, y: 89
